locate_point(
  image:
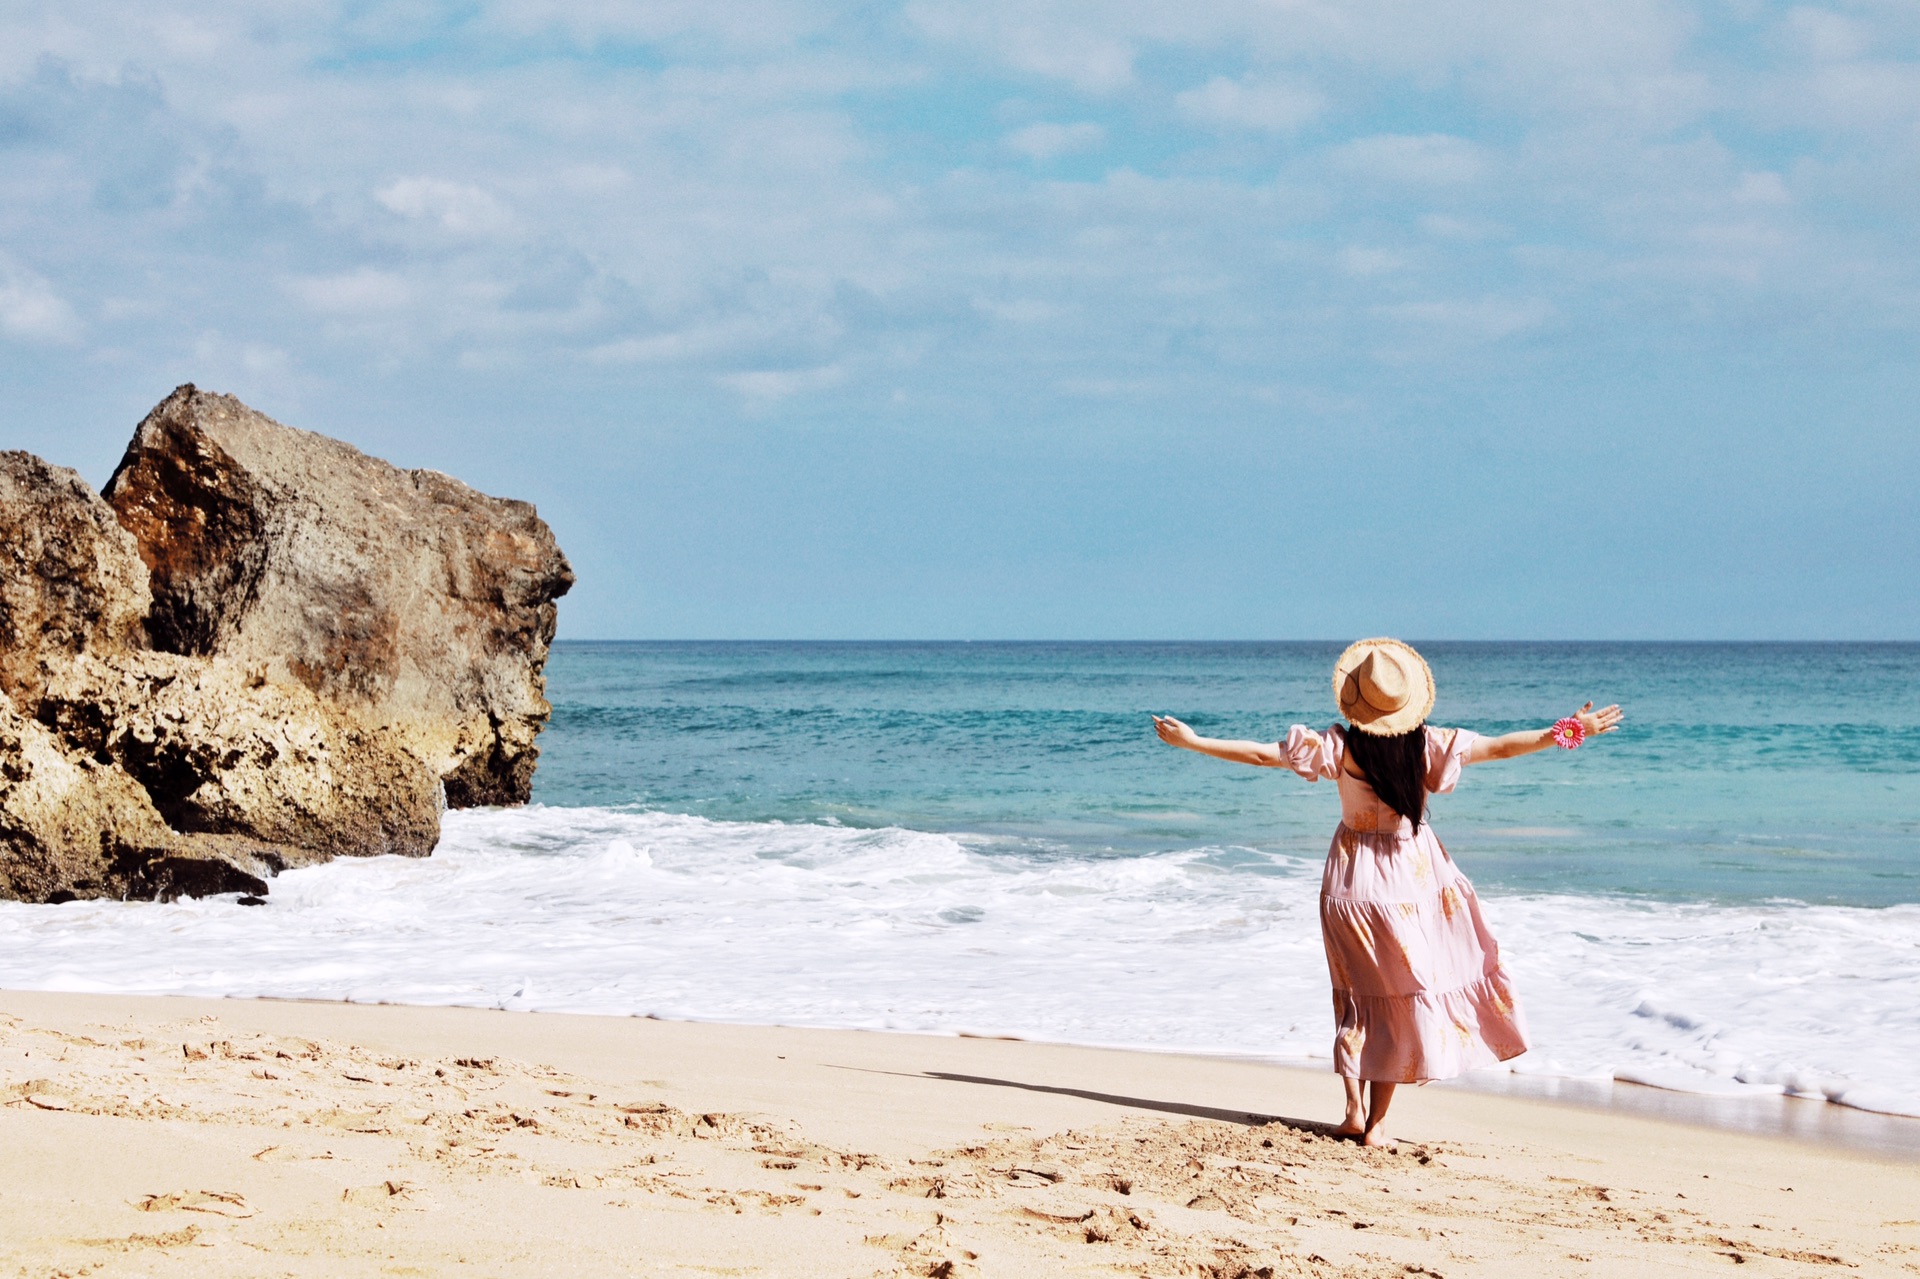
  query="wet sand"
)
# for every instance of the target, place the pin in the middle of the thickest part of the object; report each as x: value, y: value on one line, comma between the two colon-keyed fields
x: 156, y: 1137
x: 1796, y: 1118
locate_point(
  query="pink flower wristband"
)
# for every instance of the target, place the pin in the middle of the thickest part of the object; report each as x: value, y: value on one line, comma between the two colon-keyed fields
x: 1569, y: 733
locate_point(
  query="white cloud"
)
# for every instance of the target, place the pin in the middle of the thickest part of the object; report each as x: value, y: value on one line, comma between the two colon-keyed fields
x: 1270, y: 106
x: 1020, y: 310
x: 1824, y: 34
x: 1569, y: 59
x: 1745, y: 251
x: 354, y: 293
x: 1762, y: 188
x: 1444, y: 226
x: 1110, y: 388
x: 260, y: 372
x: 455, y: 207
x: 1475, y: 319
x: 765, y: 385
x: 1853, y: 98
x: 742, y: 24
x: 1361, y: 262
x: 1433, y: 159
x: 594, y: 181
x: 30, y: 309
x: 1048, y: 141
x: 1086, y: 50
x: 681, y: 346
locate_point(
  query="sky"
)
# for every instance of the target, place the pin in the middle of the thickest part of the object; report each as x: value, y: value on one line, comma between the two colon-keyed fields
x: 1026, y: 318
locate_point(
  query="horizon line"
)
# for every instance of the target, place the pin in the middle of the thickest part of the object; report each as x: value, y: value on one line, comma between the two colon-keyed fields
x: 1885, y: 643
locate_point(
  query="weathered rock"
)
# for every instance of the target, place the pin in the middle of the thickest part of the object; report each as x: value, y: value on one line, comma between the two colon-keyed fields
x: 337, y: 638
x: 221, y: 750
x: 71, y: 579
x: 336, y: 642
x: 73, y: 827
x: 125, y: 772
x: 422, y: 607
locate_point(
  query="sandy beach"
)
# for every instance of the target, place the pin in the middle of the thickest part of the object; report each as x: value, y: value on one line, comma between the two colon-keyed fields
x: 148, y: 1136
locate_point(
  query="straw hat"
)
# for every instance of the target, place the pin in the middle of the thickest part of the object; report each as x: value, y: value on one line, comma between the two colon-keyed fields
x: 1383, y: 687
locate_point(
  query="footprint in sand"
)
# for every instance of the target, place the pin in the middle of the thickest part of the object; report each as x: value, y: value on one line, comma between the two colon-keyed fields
x: 222, y: 1203
x: 397, y: 1194
x: 43, y: 1094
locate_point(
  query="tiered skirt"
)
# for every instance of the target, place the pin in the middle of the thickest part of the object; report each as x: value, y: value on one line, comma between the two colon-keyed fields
x: 1418, y: 989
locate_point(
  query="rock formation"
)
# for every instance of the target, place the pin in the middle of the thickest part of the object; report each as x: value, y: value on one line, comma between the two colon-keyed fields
x: 71, y: 580
x: 422, y: 606
x: 71, y: 827
x: 219, y: 749
x: 268, y: 650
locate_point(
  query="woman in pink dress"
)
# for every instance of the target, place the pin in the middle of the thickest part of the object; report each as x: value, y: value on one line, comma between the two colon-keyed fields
x: 1418, y: 989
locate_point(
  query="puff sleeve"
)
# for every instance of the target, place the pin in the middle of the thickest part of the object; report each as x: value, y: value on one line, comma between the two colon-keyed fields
x: 1313, y: 755
x: 1446, y: 755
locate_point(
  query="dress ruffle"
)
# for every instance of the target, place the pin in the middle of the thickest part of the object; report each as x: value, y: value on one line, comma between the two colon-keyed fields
x: 1411, y: 1039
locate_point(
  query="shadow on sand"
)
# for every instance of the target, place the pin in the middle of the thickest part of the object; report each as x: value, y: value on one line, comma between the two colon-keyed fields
x: 1241, y: 1117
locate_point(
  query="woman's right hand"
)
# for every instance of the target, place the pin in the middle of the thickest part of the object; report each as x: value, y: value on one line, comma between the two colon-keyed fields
x: 1174, y: 733
x: 1604, y: 720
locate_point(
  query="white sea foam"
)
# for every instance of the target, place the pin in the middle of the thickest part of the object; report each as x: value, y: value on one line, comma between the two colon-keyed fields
x: 625, y: 912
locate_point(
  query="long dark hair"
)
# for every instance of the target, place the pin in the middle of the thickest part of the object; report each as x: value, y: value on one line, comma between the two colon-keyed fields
x: 1396, y: 768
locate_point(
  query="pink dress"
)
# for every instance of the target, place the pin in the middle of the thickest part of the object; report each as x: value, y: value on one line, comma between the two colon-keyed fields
x: 1418, y: 990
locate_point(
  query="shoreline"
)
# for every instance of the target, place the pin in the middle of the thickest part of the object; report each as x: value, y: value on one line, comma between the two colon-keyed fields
x: 623, y: 912
x: 1785, y: 1116
x: 1775, y: 1116
x: 323, y: 1137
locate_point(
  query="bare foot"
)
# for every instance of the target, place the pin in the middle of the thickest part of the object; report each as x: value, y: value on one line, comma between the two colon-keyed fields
x: 1351, y: 1128
x: 1374, y: 1137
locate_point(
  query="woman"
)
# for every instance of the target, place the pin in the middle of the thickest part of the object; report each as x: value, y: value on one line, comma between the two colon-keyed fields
x: 1418, y: 989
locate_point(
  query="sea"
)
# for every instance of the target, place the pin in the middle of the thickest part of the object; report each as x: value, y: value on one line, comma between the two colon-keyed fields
x: 987, y: 838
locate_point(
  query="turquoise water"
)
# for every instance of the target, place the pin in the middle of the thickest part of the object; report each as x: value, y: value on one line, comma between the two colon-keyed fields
x: 1744, y: 772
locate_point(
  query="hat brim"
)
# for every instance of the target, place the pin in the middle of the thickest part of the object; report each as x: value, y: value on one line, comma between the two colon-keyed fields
x: 1418, y: 707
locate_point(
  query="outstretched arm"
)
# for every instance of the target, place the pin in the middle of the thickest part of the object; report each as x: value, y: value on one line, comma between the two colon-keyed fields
x: 1174, y: 733
x: 1529, y: 740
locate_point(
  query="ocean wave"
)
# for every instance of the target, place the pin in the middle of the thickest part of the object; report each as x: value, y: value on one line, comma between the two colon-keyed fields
x: 1215, y: 950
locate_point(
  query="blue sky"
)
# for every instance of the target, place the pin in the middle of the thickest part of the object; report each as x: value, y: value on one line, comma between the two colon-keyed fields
x: 1227, y: 318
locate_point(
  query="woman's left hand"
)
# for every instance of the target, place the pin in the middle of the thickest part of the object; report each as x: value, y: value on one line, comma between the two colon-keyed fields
x: 1604, y: 720
x: 1173, y: 732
